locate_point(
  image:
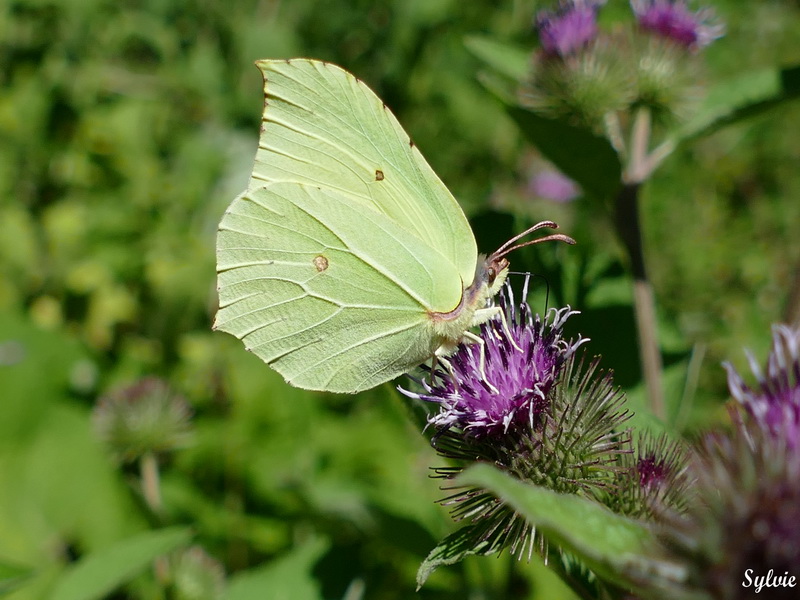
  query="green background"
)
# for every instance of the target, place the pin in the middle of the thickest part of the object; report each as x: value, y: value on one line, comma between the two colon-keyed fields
x: 125, y: 130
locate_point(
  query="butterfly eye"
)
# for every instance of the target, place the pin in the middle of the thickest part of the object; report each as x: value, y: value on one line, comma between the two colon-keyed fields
x: 491, y: 274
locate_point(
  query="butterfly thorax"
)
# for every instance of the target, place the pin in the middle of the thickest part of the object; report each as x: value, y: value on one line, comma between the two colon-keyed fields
x: 475, y: 306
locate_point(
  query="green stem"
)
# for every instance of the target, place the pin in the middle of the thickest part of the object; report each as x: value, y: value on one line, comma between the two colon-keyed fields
x: 638, y: 165
x: 151, y: 490
x: 629, y: 230
x: 151, y: 482
x: 628, y: 223
x: 614, y: 132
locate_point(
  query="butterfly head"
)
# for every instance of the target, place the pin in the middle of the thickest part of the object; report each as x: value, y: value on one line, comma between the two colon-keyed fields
x: 492, y: 271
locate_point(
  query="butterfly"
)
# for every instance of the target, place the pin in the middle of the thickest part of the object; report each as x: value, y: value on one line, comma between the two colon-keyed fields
x: 346, y: 262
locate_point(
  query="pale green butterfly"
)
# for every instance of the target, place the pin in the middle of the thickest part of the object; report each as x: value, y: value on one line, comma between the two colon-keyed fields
x: 347, y: 262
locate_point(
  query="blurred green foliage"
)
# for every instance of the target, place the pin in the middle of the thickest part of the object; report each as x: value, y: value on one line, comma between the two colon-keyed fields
x: 126, y: 128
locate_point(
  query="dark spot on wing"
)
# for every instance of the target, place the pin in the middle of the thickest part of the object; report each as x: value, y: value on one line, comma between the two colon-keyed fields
x: 378, y: 175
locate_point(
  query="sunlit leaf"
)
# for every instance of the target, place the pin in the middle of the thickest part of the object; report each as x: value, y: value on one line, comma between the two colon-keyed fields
x: 617, y: 548
x: 745, y: 96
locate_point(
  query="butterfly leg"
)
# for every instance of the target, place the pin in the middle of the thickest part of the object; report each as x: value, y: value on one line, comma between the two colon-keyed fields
x: 438, y: 358
x: 507, y: 331
x: 479, y: 340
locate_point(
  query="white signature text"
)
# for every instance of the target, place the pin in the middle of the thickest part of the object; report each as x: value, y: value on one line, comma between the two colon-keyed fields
x: 769, y: 580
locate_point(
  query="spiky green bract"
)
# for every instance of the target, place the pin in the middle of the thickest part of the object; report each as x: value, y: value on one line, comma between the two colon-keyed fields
x: 743, y: 517
x: 581, y: 88
x: 145, y: 417
x: 570, y: 448
x: 665, y: 79
x: 651, y: 479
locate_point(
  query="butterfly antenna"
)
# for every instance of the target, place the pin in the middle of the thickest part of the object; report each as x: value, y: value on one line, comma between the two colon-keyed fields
x: 510, y: 245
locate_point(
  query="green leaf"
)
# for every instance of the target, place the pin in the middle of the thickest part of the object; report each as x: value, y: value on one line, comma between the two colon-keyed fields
x: 587, y: 158
x: 12, y: 577
x: 507, y: 59
x: 745, y: 96
x: 103, y: 571
x: 618, y: 549
x: 284, y: 579
x: 451, y: 550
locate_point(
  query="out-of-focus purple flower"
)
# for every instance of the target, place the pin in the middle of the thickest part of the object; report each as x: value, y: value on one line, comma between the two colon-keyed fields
x: 775, y: 403
x: 554, y: 186
x: 568, y: 29
x: 742, y: 513
x: 521, y: 363
x: 673, y: 20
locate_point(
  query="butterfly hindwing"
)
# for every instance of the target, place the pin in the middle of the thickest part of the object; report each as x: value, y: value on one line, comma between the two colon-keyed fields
x: 331, y: 294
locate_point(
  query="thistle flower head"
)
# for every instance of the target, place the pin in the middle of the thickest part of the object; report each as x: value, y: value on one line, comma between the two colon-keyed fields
x: 144, y: 417
x: 530, y: 408
x: 505, y: 381
x: 568, y: 29
x: 582, y: 87
x: 774, y: 404
x: 741, y: 522
x: 744, y: 514
x: 674, y: 21
x: 651, y: 479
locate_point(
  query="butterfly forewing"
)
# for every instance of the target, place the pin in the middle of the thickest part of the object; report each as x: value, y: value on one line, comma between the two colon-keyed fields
x: 323, y: 127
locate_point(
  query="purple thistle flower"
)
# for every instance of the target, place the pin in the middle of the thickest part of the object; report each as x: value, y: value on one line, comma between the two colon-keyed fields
x: 775, y: 404
x: 533, y: 409
x: 673, y: 20
x: 568, y: 29
x: 521, y: 364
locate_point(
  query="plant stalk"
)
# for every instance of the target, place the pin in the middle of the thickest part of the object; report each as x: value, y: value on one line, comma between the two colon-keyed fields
x: 151, y: 482
x: 151, y: 490
x: 629, y: 230
x: 628, y: 223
